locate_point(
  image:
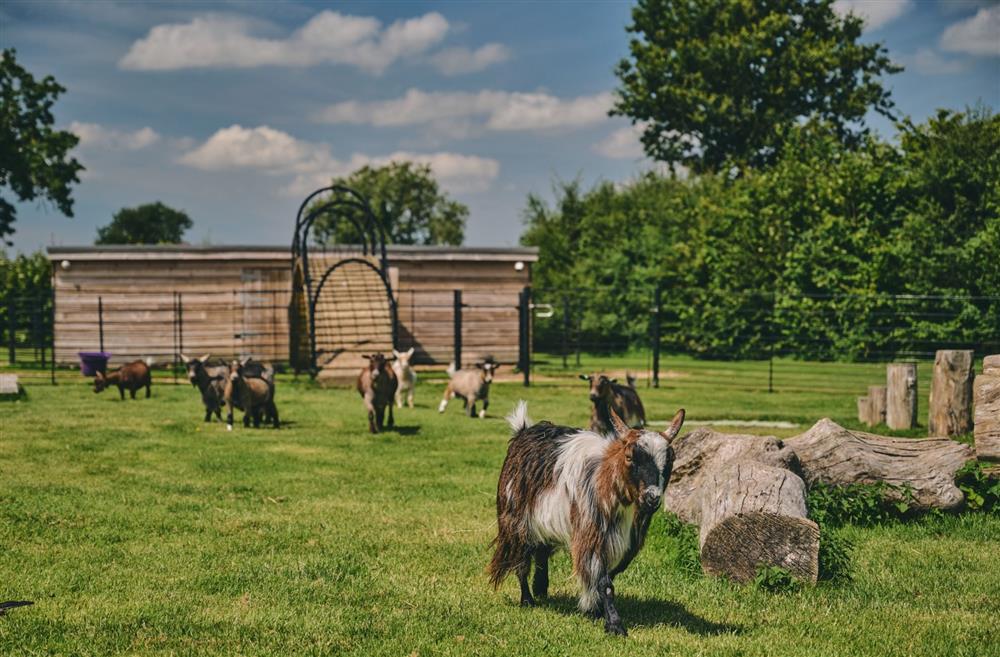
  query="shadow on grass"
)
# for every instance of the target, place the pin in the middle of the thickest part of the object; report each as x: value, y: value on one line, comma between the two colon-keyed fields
x: 649, y: 612
x: 405, y: 430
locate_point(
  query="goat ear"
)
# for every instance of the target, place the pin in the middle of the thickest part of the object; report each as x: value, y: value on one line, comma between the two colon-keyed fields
x: 246, y: 360
x: 395, y: 353
x: 205, y: 358
x: 185, y: 358
x: 675, y: 426
x: 621, y: 429
x: 409, y: 352
x: 585, y: 377
x: 613, y: 380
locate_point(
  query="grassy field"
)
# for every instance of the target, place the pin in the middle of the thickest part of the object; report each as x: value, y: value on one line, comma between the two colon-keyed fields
x: 137, y: 529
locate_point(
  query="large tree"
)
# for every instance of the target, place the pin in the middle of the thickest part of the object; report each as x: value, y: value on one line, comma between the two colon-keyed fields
x: 34, y: 157
x: 407, y: 201
x: 720, y: 83
x: 152, y: 223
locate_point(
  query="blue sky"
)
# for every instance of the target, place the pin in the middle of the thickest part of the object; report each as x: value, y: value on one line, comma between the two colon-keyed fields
x: 233, y: 111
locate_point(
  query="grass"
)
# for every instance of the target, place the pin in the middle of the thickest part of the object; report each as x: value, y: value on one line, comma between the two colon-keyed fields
x: 137, y: 529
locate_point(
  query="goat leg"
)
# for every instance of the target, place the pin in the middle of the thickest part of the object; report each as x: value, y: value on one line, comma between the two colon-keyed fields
x: 121, y: 391
x: 208, y: 415
x: 540, y: 581
x: 409, y: 398
x: 273, y: 410
x: 523, y: 569
x: 606, y: 595
x: 392, y: 420
x: 486, y: 404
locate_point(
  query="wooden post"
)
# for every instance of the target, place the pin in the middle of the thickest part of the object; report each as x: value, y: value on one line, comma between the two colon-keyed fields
x: 876, y: 397
x: 457, y: 328
x: 987, y: 395
x: 657, y: 300
x: 901, y: 396
x: 864, y: 410
x: 950, y: 408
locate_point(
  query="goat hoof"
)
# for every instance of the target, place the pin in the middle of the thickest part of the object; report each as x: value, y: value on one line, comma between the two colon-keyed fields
x: 616, y: 629
x: 482, y: 414
x: 527, y: 602
x: 229, y: 427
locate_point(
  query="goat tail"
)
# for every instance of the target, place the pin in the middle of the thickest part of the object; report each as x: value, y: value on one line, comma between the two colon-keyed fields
x: 518, y: 418
x: 630, y: 379
x: 451, y: 369
x: 149, y: 360
x: 506, y: 556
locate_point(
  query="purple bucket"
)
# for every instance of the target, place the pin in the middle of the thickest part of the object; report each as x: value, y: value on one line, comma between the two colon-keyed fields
x: 92, y: 362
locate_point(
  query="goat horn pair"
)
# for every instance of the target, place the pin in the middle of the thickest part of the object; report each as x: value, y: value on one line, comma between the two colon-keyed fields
x: 622, y: 429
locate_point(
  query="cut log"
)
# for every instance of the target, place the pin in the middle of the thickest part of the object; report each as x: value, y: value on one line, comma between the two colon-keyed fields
x: 901, y: 396
x: 876, y: 397
x: 865, y: 410
x: 754, y: 515
x: 702, y: 452
x: 950, y: 408
x: 987, y: 413
x: 833, y: 455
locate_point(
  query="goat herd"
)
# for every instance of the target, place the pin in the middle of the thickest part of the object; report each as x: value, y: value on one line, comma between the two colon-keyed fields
x: 592, y: 491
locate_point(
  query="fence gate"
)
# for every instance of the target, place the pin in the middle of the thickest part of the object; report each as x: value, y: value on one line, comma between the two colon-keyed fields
x: 342, y: 305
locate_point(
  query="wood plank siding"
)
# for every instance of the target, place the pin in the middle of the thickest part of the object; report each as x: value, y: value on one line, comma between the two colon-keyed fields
x: 232, y: 302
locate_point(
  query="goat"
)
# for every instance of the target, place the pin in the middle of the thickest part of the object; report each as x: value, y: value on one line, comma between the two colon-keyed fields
x: 406, y: 377
x: 377, y: 387
x: 607, y: 395
x: 130, y: 376
x: 471, y: 385
x: 590, y: 493
x: 250, y: 387
x: 210, y: 381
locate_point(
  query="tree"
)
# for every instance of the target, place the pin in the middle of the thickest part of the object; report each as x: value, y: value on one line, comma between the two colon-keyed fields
x: 34, y: 158
x: 405, y: 197
x: 717, y: 83
x: 152, y: 223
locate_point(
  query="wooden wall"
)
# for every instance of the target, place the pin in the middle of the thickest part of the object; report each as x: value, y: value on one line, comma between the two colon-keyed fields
x: 237, y: 306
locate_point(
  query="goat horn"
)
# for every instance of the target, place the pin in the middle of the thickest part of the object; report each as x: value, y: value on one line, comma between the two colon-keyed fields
x: 675, y: 426
x: 620, y: 427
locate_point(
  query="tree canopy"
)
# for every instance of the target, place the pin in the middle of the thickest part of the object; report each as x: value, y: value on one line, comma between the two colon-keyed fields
x: 152, y: 223
x: 720, y: 83
x: 406, y: 199
x: 34, y: 157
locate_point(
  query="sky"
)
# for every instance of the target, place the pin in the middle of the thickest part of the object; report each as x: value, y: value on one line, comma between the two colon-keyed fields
x: 234, y: 111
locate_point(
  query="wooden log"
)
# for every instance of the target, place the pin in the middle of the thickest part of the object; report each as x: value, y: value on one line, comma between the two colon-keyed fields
x: 987, y: 410
x: 864, y: 410
x: 950, y: 407
x: 833, y: 455
x: 876, y: 396
x: 754, y: 515
x: 704, y: 451
x: 901, y: 396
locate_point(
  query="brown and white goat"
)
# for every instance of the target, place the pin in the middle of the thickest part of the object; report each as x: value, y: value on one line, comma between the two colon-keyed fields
x: 131, y: 376
x: 607, y: 395
x: 471, y: 385
x: 250, y: 387
x: 593, y: 494
x: 377, y: 387
x: 210, y: 380
x: 406, y: 377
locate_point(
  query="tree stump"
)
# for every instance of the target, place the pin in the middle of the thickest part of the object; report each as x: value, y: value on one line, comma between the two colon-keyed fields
x: 950, y: 408
x: 901, y: 396
x: 987, y: 414
x: 833, y: 455
x: 754, y: 515
x: 876, y: 398
x: 703, y: 452
x: 865, y: 410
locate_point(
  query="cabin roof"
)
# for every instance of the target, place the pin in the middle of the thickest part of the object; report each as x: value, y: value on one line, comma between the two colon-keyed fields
x: 395, y: 252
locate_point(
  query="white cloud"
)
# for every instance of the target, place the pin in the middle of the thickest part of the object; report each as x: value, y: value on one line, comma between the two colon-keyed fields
x: 93, y: 135
x: 976, y: 35
x: 456, y: 61
x: 928, y: 62
x: 499, y: 110
x: 312, y: 165
x: 875, y: 13
x: 329, y: 37
x: 622, y: 144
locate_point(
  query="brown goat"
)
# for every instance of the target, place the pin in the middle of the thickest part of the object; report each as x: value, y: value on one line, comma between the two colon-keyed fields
x: 606, y: 395
x: 130, y: 376
x: 377, y: 386
x: 471, y: 384
x: 250, y: 387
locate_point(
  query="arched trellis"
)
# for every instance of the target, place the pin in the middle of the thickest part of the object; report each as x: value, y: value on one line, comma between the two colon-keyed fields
x: 314, y: 266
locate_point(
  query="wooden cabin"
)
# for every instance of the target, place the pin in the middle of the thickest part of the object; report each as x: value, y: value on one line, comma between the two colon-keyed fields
x: 234, y: 301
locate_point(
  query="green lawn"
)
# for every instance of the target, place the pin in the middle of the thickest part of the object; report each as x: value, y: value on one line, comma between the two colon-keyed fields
x: 137, y: 529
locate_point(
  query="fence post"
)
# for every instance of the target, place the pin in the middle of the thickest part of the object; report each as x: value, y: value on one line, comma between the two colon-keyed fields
x: 565, y: 330
x: 457, y: 340
x: 52, y: 361
x: 657, y: 296
x: 100, y: 322
x: 12, y: 330
x: 524, y: 357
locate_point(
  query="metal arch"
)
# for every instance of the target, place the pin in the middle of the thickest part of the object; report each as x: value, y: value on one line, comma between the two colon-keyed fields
x: 373, y: 244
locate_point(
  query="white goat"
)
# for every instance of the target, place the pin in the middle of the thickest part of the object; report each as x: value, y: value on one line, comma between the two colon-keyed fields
x: 405, y: 375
